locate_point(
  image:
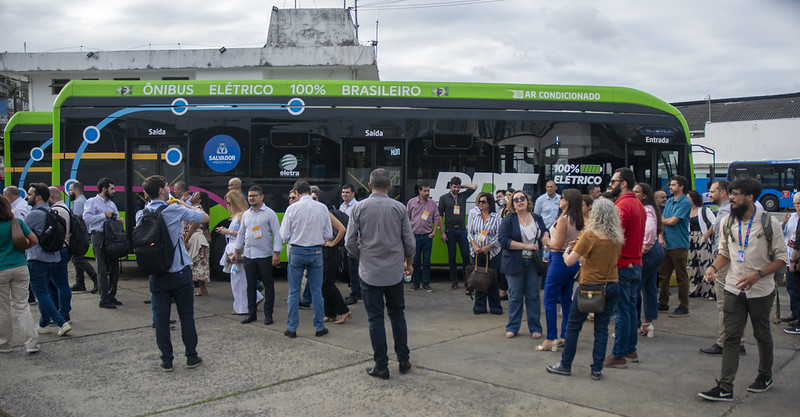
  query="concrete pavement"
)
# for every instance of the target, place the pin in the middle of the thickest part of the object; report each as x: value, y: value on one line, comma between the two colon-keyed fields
x: 462, y: 365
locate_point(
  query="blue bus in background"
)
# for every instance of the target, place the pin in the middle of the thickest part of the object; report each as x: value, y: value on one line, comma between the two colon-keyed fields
x: 778, y: 177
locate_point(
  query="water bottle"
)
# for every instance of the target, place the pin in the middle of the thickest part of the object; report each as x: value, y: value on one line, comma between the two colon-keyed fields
x: 546, y: 253
x: 234, y: 270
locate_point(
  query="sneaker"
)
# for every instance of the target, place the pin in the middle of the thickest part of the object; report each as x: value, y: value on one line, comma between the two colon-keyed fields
x: 42, y: 330
x: 679, y: 312
x: 713, y: 350
x: 762, y: 384
x: 427, y: 288
x: 718, y: 393
x: 632, y: 357
x: 414, y: 287
x: 558, y: 369
x: 33, y: 349
x: 166, y: 366
x: 612, y: 362
x: 792, y: 330
x: 454, y: 286
x: 193, y: 361
x: 597, y: 375
x: 64, y: 329
x: 663, y: 307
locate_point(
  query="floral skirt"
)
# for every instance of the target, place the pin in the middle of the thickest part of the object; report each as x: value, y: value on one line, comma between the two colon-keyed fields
x: 698, y: 261
x: 200, y: 271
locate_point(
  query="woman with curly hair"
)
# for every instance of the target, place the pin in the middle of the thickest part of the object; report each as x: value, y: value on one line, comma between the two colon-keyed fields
x: 598, y: 249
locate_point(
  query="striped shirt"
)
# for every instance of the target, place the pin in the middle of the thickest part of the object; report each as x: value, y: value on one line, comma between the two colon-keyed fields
x: 484, y: 232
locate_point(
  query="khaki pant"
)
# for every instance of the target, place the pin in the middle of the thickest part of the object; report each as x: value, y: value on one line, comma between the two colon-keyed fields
x: 674, y: 259
x: 719, y: 289
x: 14, y: 295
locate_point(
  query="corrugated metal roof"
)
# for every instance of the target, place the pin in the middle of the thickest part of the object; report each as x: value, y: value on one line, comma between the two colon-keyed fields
x: 784, y: 106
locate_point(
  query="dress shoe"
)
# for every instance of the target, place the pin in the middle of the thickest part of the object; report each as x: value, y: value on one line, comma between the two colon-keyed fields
x: 268, y: 321
x: 108, y: 306
x: 78, y: 288
x: 713, y: 350
x: 290, y: 334
x: 405, y: 366
x: 116, y: 302
x: 454, y: 286
x: 94, y: 290
x: 612, y: 362
x: 303, y: 305
x: 350, y: 300
x: 378, y: 373
x: 249, y: 319
x: 321, y: 333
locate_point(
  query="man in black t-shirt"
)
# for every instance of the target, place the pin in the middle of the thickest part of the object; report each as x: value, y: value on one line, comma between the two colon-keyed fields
x: 453, y: 212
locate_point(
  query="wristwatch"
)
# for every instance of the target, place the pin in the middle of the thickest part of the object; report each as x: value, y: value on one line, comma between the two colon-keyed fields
x: 760, y: 273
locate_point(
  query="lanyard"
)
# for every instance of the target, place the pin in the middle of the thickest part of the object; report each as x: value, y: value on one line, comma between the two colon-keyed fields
x: 747, y: 237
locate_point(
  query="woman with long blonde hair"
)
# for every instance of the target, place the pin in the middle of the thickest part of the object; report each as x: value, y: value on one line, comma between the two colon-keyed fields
x: 598, y: 249
x: 236, y: 206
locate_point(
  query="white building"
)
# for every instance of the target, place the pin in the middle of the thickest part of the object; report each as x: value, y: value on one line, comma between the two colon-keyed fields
x: 301, y: 44
x: 742, y: 129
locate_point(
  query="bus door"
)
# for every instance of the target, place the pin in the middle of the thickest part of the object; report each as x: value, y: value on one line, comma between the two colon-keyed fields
x: 361, y: 156
x: 151, y: 156
x: 656, y: 164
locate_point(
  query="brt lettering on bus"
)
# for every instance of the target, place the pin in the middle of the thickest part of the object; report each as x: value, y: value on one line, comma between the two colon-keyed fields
x: 509, y: 179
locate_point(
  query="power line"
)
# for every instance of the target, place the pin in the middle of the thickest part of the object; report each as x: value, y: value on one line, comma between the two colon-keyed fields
x: 391, y: 4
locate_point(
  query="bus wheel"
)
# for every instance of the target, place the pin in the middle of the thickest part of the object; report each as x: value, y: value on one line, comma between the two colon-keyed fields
x: 770, y: 203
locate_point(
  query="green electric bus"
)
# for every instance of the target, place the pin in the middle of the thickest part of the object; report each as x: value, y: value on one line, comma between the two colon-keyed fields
x: 272, y: 132
x: 27, y: 139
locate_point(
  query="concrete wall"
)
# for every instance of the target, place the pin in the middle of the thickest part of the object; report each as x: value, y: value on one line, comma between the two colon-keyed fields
x: 750, y: 140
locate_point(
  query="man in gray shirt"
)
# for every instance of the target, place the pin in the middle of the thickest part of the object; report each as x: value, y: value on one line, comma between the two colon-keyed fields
x: 381, y: 222
x: 82, y: 266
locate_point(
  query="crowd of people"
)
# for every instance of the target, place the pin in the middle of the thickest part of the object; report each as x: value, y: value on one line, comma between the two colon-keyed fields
x: 625, y: 244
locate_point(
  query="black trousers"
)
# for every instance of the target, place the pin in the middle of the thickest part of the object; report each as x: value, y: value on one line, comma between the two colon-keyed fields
x: 334, y: 303
x: 259, y: 269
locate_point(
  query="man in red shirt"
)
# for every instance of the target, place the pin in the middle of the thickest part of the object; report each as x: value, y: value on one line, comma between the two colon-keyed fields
x: 631, y: 212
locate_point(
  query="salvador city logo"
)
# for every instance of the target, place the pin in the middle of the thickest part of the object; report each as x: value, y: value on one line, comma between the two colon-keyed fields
x: 288, y: 164
x: 222, y: 153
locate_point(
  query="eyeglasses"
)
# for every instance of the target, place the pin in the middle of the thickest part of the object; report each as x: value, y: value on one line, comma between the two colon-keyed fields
x: 483, y: 202
x: 252, y: 196
x: 735, y: 194
x: 614, y: 181
x: 520, y: 199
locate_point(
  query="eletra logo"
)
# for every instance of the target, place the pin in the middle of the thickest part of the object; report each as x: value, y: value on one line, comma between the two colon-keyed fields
x: 288, y: 164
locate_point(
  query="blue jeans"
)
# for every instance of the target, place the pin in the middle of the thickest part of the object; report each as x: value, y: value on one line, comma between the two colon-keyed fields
x: 793, y: 288
x: 558, y: 289
x: 60, y: 292
x: 177, y: 286
x: 422, y: 261
x: 40, y: 273
x: 493, y: 294
x: 457, y: 235
x: 524, y: 286
x: 374, y: 298
x: 308, y: 259
x: 648, y: 289
x: 626, y: 319
x: 601, y: 320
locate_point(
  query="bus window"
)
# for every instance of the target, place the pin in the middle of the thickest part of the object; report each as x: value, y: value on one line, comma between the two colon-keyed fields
x: 437, y: 166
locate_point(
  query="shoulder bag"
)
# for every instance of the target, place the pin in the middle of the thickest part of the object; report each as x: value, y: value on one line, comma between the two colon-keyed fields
x: 480, y: 279
x: 20, y: 241
x: 591, y: 298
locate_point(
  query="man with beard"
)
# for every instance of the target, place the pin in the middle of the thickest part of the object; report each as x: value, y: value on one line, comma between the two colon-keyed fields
x: 661, y: 199
x: 96, y: 211
x: 82, y: 266
x: 676, y: 242
x: 749, y: 286
x: 629, y: 267
x: 423, y: 215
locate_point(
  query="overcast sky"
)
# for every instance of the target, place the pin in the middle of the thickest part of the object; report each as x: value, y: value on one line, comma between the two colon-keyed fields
x: 678, y: 50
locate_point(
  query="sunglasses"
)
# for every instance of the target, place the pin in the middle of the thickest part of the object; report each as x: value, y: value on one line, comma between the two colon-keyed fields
x: 520, y: 199
x: 483, y: 202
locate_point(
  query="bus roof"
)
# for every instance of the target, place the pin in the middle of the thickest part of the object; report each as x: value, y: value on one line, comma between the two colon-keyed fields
x: 769, y: 162
x: 365, y: 89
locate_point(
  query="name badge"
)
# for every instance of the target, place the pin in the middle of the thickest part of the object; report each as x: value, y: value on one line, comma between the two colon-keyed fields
x: 740, y: 256
x: 456, y: 209
x: 482, y: 237
x: 256, y: 231
x: 425, y: 215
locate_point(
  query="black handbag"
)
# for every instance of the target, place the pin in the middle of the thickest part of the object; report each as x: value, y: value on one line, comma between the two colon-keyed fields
x: 480, y: 279
x: 538, y: 262
x: 591, y: 298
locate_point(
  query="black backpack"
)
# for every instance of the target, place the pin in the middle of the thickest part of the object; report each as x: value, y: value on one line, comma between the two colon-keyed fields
x: 78, y: 241
x: 152, y: 243
x: 115, y: 240
x: 55, y: 231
